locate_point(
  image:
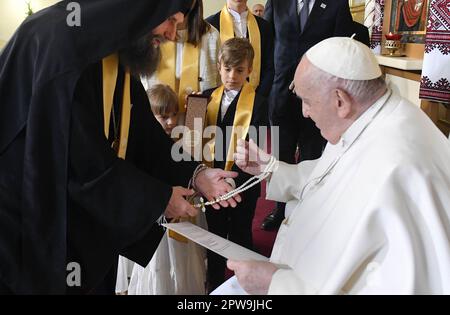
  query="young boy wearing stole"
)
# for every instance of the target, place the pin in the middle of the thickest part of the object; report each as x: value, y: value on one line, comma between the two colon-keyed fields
x: 234, y: 107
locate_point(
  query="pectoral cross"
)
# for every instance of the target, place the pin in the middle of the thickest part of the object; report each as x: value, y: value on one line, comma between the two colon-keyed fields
x: 115, y: 145
x: 116, y: 141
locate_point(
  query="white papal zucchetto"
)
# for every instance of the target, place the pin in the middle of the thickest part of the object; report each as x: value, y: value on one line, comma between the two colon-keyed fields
x: 344, y: 58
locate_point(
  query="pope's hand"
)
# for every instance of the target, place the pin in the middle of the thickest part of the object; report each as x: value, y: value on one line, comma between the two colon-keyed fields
x: 253, y: 276
x: 250, y: 158
x: 178, y: 206
x: 211, y: 184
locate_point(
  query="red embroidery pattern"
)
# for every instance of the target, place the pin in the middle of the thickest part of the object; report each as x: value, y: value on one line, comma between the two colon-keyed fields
x: 435, y: 83
x: 438, y: 91
x: 443, y: 48
x: 375, y: 40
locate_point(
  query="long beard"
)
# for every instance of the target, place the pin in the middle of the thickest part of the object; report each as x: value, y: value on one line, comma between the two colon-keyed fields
x: 142, y: 57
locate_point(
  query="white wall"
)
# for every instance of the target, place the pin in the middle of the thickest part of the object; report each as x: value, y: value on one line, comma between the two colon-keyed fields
x: 13, y: 12
x: 408, y: 89
x: 214, y: 6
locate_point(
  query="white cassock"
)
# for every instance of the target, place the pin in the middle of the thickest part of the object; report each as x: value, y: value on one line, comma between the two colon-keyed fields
x: 375, y: 214
x: 124, y: 269
x: 176, y: 268
x: 372, y: 215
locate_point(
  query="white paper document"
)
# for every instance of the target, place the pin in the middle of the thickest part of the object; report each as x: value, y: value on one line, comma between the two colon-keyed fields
x: 214, y: 242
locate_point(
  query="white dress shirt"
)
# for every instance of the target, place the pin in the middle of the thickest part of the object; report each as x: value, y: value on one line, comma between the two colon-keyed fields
x: 300, y: 5
x: 181, y: 39
x: 227, y: 99
x: 240, y: 23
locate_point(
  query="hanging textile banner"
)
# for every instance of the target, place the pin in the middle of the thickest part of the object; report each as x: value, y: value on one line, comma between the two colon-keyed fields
x: 435, y: 81
x: 374, y: 16
x: 369, y: 15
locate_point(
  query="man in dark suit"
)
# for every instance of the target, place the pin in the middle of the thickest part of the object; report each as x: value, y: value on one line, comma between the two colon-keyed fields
x: 361, y: 33
x: 239, y: 8
x: 295, y: 31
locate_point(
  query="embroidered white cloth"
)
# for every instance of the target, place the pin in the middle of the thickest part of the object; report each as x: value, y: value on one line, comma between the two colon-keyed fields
x: 435, y: 82
x: 369, y: 15
x: 376, y: 24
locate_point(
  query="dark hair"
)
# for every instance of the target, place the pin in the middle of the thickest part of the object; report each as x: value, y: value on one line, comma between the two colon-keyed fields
x: 162, y: 99
x: 141, y: 57
x: 196, y: 25
x: 234, y: 51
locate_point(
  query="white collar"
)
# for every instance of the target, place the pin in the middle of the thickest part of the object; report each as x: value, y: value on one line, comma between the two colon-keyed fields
x: 362, y: 122
x: 238, y: 16
x: 333, y: 153
x: 230, y: 94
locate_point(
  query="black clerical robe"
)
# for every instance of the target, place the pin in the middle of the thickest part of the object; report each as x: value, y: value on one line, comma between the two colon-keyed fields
x: 64, y: 195
x: 113, y: 204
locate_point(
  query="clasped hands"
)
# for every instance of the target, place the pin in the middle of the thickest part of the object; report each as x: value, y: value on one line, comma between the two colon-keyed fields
x: 211, y: 184
x: 253, y: 276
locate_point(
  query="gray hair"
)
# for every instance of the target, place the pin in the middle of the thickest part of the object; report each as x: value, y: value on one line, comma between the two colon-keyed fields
x: 361, y: 91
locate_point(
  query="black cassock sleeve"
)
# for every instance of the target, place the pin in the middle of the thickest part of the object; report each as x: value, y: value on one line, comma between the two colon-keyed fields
x: 114, y: 203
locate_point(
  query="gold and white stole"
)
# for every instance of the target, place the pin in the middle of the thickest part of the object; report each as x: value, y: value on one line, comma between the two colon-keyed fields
x: 110, y: 66
x: 189, y: 70
x: 227, y: 32
x: 241, y: 123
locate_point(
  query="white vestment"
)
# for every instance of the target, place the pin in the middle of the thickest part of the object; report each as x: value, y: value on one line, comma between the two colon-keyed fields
x: 372, y: 215
x: 209, y: 50
x: 177, y: 267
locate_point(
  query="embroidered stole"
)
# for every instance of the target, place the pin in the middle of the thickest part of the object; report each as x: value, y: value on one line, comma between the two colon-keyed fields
x: 241, y: 123
x: 189, y: 71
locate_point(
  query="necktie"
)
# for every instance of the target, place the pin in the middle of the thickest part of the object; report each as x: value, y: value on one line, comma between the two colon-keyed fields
x: 303, y: 15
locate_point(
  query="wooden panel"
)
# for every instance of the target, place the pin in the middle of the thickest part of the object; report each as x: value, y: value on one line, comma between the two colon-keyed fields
x: 439, y: 113
x: 410, y: 75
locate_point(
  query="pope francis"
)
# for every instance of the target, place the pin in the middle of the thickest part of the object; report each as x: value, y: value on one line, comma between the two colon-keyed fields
x: 372, y: 215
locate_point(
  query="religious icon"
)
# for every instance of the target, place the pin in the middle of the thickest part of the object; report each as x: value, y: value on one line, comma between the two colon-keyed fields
x: 409, y: 17
x: 195, y: 123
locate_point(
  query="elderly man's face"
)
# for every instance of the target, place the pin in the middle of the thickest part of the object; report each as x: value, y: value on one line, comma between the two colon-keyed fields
x: 258, y: 10
x: 317, y: 102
